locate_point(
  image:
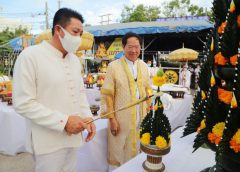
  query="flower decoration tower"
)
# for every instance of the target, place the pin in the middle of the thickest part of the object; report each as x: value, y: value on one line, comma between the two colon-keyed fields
x: 155, y: 132
x: 216, y: 108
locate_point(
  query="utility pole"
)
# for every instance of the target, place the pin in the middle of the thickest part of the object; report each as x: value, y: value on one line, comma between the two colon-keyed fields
x: 104, y: 20
x: 46, y: 14
x: 59, y: 4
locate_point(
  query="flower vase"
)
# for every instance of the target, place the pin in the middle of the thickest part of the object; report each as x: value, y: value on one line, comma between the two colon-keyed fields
x: 154, y: 163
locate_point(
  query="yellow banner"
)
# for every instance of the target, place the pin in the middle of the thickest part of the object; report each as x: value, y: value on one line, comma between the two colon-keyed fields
x: 115, y: 48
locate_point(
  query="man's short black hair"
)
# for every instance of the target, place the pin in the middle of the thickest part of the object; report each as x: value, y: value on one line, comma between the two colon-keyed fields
x: 63, y: 16
x: 129, y: 35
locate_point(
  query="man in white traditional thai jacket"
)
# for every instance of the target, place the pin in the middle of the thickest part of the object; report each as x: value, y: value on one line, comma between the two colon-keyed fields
x: 126, y: 80
x: 48, y: 90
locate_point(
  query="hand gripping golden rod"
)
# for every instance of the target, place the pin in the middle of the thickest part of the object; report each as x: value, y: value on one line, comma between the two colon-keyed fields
x: 126, y: 106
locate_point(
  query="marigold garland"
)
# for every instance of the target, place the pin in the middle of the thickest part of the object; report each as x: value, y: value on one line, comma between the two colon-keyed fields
x: 212, y: 81
x: 161, y: 142
x: 222, y: 27
x: 224, y: 96
x: 220, y: 59
x: 238, y: 20
x: 235, y: 142
x: 145, y: 139
x: 234, y: 102
x: 233, y: 59
x: 216, y: 135
x: 202, y: 126
x: 203, y: 95
x: 232, y: 6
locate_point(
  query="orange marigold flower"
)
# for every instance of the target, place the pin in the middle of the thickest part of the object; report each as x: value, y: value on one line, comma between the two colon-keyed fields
x: 211, y: 137
x: 234, y: 146
x: 234, y: 59
x: 217, y: 140
x: 238, y: 20
x: 224, y: 96
x: 222, y: 27
x: 220, y: 59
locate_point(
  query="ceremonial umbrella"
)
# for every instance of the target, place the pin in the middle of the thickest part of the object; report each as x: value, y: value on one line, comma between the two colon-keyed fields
x: 183, y: 54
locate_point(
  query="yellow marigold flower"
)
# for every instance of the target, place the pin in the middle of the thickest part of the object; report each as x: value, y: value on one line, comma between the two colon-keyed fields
x: 202, y: 126
x: 218, y: 129
x: 236, y: 137
x: 145, y: 138
x: 213, y: 82
x: 161, y: 142
x: 234, y: 101
x: 159, y: 80
x: 203, y: 95
x: 232, y: 6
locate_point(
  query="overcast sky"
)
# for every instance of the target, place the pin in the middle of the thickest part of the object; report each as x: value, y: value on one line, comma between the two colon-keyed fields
x: 32, y: 10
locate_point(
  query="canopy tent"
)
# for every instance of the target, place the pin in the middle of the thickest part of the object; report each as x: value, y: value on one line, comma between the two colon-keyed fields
x: 19, y: 43
x: 165, y: 33
x: 164, y: 25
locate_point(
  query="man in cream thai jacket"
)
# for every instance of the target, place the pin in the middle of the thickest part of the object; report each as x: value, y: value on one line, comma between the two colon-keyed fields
x: 48, y: 90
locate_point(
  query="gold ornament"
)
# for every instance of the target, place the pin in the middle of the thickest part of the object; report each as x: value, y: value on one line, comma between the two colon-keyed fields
x: 171, y: 76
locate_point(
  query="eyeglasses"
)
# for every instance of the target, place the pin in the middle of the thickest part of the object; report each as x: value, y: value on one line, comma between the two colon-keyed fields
x: 130, y: 47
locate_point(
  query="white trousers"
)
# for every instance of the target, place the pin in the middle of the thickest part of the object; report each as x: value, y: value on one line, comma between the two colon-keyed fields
x: 64, y: 160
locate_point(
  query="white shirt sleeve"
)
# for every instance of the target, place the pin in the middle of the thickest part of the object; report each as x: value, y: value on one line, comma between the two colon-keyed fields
x: 25, y: 100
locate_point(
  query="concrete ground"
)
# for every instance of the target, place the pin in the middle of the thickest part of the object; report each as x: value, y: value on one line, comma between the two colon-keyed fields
x: 22, y: 162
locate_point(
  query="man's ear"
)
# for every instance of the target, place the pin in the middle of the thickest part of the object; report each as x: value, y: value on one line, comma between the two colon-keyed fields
x: 57, y: 30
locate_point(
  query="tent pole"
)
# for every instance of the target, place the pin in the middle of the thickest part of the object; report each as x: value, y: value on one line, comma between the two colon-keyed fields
x: 143, y: 48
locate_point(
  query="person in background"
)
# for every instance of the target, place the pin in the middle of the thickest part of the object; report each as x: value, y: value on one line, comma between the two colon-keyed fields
x: 149, y: 63
x: 185, y: 77
x: 48, y: 91
x: 126, y: 80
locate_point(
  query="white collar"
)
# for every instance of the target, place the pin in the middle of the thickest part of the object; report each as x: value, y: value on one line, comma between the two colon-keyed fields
x: 51, y: 48
x: 130, y: 62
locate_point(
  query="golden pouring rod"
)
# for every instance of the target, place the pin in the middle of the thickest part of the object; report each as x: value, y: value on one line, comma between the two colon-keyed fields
x: 126, y: 106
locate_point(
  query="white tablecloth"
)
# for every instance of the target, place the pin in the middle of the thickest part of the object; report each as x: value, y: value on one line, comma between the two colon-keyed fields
x: 93, y: 155
x: 179, y: 111
x: 12, y: 131
x: 180, y: 158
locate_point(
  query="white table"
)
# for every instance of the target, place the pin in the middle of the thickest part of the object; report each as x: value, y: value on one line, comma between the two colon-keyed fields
x: 12, y: 131
x: 179, y: 111
x: 179, y: 159
x: 92, y: 156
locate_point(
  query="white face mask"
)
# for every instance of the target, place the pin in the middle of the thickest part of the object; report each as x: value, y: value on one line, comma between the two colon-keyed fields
x: 69, y: 42
x: 149, y: 65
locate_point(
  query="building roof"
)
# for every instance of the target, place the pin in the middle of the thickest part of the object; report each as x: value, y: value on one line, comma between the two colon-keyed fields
x: 163, y: 25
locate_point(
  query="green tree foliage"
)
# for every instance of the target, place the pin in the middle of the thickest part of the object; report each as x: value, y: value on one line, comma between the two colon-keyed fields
x: 174, y: 8
x: 180, y: 8
x: 140, y: 13
x: 7, y: 34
